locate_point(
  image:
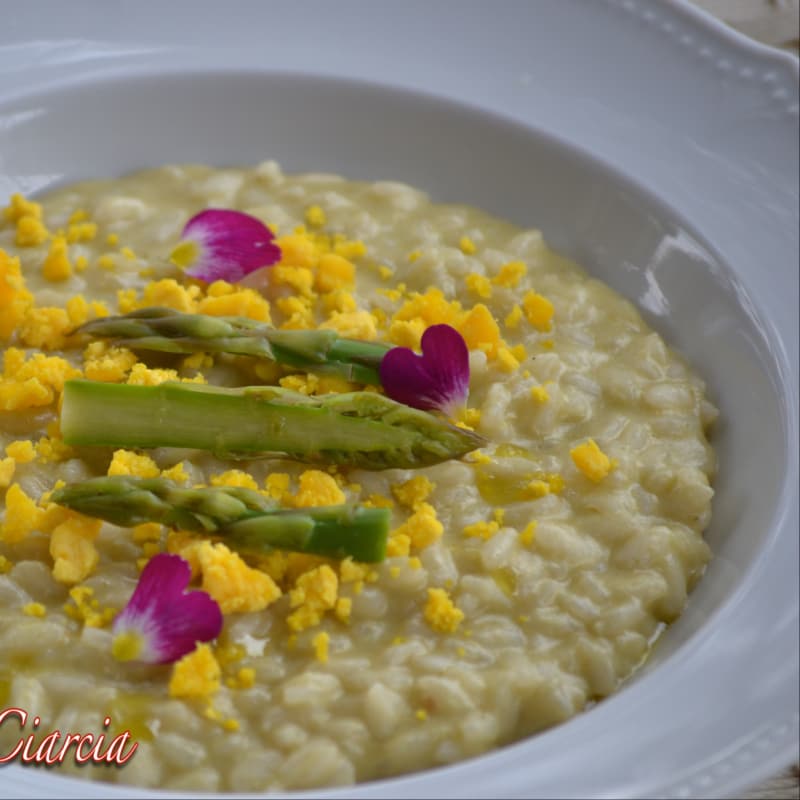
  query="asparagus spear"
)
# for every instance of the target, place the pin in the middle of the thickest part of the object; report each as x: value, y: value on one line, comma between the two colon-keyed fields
x: 361, y: 429
x: 243, y: 518
x: 168, y: 331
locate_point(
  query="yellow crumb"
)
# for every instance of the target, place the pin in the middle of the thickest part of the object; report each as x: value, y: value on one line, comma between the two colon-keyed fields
x: 126, y: 462
x: 422, y: 528
x: 22, y: 516
x: 81, y: 232
x: 506, y: 360
x: 481, y: 530
x: 441, y: 613
x: 510, y: 274
x: 235, y: 478
x: 314, y: 593
x: 8, y: 467
x: 527, y: 534
x: 414, y: 491
x: 176, y: 473
x: 237, y: 587
x: 315, y: 217
x: 343, y: 608
x: 277, y: 486
x: 540, y: 394
x: 18, y: 207
x: 85, y: 608
x: 34, y: 610
x: 57, y: 266
x: 479, y: 285
x: 591, y: 460
x: 539, y: 310
x: 30, y: 232
x: 514, y: 317
x: 72, y: 548
x: 467, y: 245
x: 317, y: 488
x: 320, y: 642
x: 480, y: 330
x: 197, y: 674
x: 21, y: 451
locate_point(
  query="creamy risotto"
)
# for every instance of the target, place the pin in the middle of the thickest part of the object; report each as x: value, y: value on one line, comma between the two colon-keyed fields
x: 524, y: 581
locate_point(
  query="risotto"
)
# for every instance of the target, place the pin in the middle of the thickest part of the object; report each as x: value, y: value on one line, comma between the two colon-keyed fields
x: 523, y: 582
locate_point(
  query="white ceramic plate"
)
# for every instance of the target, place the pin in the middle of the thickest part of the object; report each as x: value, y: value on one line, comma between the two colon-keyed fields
x: 650, y: 143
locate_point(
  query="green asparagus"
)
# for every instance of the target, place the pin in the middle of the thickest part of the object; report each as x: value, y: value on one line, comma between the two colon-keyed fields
x: 244, y: 519
x: 169, y: 331
x: 362, y: 429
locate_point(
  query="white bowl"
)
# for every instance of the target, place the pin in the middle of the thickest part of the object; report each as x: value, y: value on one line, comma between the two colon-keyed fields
x: 695, y: 220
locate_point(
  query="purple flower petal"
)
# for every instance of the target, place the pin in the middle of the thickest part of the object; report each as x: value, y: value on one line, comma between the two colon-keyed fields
x: 439, y: 378
x: 162, y: 621
x: 227, y: 246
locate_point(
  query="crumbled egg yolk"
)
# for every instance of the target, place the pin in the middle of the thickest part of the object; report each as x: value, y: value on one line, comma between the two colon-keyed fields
x: 467, y: 246
x: 334, y: 272
x: 351, y: 571
x: 57, y: 266
x: 22, y: 516
x: 441, y: 613
x: 34, y: 381
x: 86, y: 609
x: 72, y: 548
x: 81, y: 232
x: 510, y: 274
x: 481, y: 530
x: 507, y: 360
x: 591, y: 460
x: 352, y: 325
x: 414, y: 491
x: 197, y: 674
x: 19, y: 207
x: 540, y: 394
x: 235, y: 478
x: 237, y: 587
x: 45, y: 328
x: 422, y: 528
x: 479, y: 285
x: 7, y: 468
x: 34, y: 610
x: 320, y: 643
x: 22, y: 451
x: 5, y: 565
x: 15, y: 299
x: 317, y: 488
x: 539, y: 310
x: 126, y: 462
x: 108, y: 364
x: 514, y: 317
x: 315, y: 217
x: 31, y: 231
x: 276, y: 486
x: 527, y: 533
x: 141, y: 375
x: 545, y: 483
x: 314, y: 594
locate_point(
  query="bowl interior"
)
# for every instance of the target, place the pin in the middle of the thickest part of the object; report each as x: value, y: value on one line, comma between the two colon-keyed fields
x: 586, y: 210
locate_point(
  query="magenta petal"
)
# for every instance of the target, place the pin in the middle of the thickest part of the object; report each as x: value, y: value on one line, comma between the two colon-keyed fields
x: 231, y: 245
x: 439, y: 378
x: 169, y: 619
